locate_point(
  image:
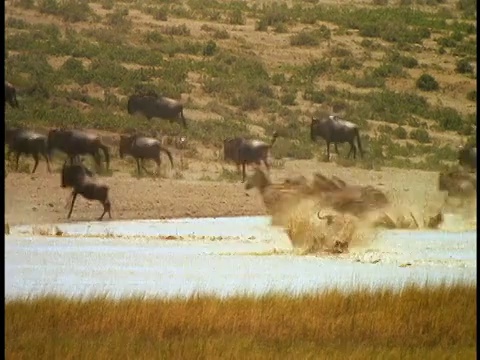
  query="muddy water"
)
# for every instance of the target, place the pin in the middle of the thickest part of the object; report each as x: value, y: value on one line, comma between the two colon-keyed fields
x: 222, y: 255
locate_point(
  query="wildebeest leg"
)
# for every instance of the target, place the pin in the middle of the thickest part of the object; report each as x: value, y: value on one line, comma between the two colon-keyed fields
x: 35, y: 157
x: 106, y: 208
x: 352, y: 148
x: 328, y: 150
x: 138, y: 165
x: 45, y: 155
x: 336, y: 148
x: 243, y: 171
x: 267, y: 164
x: 158, y: 161
x: 73, y: 202
x: 144, y: 168
x: 17, y: 157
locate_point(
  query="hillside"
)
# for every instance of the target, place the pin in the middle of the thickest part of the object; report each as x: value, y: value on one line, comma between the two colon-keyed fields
x: 249, y: 67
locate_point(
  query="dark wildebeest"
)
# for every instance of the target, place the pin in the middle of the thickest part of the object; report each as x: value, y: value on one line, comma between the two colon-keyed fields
x: 78, y: 177
x: 22, y: 141
x: 142, y: 147
x: 336, y: 130
x: 75, y: 143
x: 11, y: 95
x: 467, y: 156
x: 458, y: 184
x: 247, y: 151
x: 156, y: 107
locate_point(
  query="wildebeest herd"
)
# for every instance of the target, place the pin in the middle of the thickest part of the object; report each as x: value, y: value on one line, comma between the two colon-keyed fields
x: 241, y: 151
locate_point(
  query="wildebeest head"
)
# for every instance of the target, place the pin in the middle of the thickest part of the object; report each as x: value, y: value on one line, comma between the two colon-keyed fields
x: 74, y: 174
x: 125, y: 144
x: 457, y: 183
x: 467, y: 156
x: 11, y: 95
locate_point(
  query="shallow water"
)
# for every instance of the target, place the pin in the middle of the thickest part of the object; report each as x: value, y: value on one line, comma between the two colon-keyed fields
x: 219, y: 255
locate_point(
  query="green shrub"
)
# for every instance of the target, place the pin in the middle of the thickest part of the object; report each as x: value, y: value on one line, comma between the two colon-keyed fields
x: 400, y: 133
x: 427, y: 82
x: 210, y: 48
x: 421, y: 135
x: 304, y: 38
x: 472, y: 95
x: 236, y: 17
x: 464, y: 67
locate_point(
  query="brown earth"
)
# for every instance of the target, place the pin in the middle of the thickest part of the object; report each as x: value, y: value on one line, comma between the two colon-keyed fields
x: 38, y: 198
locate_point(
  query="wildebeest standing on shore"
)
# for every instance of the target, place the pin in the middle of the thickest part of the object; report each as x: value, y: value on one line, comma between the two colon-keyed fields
x: 75, y: 143
x: 467, y: 156
x: 248, y: 151
x: 79, y: 178
x: 156, y: 106
x: 11, y: 95
x: 142, y: 147
x: 336, y: 130
x: 22, y: 141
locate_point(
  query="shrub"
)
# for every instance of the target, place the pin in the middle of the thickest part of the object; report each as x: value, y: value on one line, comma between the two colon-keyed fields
x: 421, y: 135
x: 464, y: 67
x: 210, y: 48
x: 400, y: 133
x: 304, y: 38
x: 427, y: 82
x: 472, y: 95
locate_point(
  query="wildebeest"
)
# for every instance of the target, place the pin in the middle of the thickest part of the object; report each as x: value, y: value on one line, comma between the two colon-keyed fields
x: 142, y: 147
x: 22, y: 141
x: 353, y: 199
x: 457, y: 184
x: 75, y: 143
x: 247, y: 151
x: 336, y: 130
x: 11, y: 95
x: 467, y: 156
x: 156, y: 107
x: 78, y: 177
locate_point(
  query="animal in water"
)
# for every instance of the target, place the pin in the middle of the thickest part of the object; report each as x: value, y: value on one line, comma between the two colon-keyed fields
x: 467, y: 156
x: 78, y: 177
x: 153, y: 106
x: 141, y: 148
x: 335, y: 130
x: 244, y: 152
x: 22, y: 141
x: 76, y: 142
x: 354, y: 199
x: 11, y: 95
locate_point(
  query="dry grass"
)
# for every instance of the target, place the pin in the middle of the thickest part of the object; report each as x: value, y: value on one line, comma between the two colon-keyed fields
x: 417, y: 322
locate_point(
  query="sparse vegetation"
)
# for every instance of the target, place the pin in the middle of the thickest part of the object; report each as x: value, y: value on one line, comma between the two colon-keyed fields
x: 249, y: 79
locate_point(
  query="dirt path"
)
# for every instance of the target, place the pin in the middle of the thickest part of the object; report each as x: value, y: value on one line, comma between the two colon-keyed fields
x: 39, y: 198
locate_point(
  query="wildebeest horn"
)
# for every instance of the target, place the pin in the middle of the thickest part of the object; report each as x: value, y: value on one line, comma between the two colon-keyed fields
x: 329, y: 218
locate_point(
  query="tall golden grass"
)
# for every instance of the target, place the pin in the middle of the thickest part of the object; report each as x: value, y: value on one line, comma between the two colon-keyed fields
x: 417, y: 322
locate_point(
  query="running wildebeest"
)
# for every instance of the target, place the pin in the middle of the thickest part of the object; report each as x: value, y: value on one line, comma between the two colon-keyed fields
x: 459, y: 184
x: 142, y: 147
x: 247, y: 151
x: 78, y: 177
x: 336, y: 130
x: 156, y: 106
x: 75, y: 143
x: 467, y: 156
x: 11, y: 95
x: 22, y: 141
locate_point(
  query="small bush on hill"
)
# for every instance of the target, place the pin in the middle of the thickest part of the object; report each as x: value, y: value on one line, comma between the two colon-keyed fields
x: 427, y: 82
